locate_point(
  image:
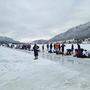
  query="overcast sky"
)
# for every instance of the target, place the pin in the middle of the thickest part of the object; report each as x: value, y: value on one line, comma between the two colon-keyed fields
x: 41, y: 19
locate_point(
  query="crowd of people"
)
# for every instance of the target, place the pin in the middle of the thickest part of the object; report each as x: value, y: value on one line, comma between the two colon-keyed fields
x: 52, y: 48
x: 60, y: 49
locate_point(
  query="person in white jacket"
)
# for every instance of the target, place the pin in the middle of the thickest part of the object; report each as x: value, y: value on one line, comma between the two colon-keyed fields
x: 86, y: 53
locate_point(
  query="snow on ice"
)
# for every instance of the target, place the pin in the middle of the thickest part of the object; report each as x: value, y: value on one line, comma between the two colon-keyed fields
x: 18, y: 71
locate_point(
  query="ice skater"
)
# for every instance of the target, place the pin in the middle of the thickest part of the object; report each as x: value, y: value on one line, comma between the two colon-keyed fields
x: 36, y: 50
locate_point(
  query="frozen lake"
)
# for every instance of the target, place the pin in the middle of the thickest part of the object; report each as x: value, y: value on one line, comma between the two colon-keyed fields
x: 18, y: 71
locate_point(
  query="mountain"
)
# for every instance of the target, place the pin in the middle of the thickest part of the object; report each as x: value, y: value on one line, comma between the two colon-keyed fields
x: 41, y: 41
x: 78, y: 32
x: 7, y: 40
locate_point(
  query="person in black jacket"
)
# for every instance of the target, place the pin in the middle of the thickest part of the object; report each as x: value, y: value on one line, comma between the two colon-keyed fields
x: 43, y: 48
x: 51, y: 48
x: 72, y: 48
x: 36, y: 50
x: 47, y: 47
x: 78, y: 45
x: 63, y: 47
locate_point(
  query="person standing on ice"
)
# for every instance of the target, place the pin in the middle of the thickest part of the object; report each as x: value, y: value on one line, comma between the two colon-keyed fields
x: 78, y: 45
x: 72, y: 48
x: 36, y: 50
x: 79, y: 50
x: 63, y: 47
x: 47, y: 47
x: 51, y: 48
x: 43, y: 47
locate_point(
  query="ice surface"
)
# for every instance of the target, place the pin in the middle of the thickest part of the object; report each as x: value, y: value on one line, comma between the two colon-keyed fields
x: 18, y: 71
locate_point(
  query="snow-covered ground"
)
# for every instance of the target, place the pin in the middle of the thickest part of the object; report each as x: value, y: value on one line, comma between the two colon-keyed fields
x: 18, y: 71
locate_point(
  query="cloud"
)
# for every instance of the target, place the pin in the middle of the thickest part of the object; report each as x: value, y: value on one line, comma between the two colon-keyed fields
x: 35, y: 19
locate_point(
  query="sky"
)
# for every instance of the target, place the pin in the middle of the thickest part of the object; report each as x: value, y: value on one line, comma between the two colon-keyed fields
x: 28, y: 20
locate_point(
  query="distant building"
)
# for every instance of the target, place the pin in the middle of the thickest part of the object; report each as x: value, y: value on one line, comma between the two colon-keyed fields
x: 86, y: 41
